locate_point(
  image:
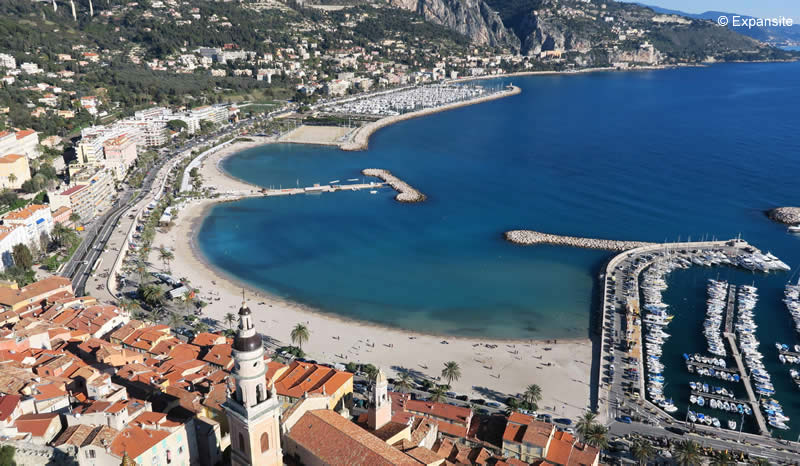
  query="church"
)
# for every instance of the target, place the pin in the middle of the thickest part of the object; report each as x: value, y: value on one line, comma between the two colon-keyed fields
x: 309, y: 433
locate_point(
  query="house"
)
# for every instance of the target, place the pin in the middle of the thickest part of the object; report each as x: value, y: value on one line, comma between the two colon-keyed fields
x: 34, y: 294
x: 303, y: 378
x: 42, y: 428
x: 525, y: 438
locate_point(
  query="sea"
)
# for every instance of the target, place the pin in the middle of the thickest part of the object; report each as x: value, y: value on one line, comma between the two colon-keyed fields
x: 663, y: 155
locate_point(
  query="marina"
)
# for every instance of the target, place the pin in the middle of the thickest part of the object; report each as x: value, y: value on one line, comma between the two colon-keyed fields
x: 408, y: 100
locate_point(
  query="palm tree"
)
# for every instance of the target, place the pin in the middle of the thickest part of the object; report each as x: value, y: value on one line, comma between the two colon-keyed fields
x: 200, y: 327
x: 300, y: 335
x: 60, y: 233
x: 687, y: 452
x: 585, y: 424
x: 597, y: 436
x: 141, y: 270
x: 166, y: 256
x: 188, y: 299
x: 438, y: 393
x: 175, y: 320
x: 12, y: 178
x: 128, y: 305
x: 451, y: 372
x: 229, y: 319
x: 152, y: 294
x: 642, y: 451
x: 405, y: 383
x: 533, y: 394
x: 723, y: 458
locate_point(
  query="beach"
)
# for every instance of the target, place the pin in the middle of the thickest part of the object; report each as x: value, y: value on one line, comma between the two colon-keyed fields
x: 489, y: 369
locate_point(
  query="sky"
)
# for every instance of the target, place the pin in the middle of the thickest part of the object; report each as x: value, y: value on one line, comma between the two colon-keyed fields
x: 756, y: 8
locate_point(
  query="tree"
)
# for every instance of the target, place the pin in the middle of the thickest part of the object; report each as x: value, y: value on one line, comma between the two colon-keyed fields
x: 451, y: 372
x: 597, y: 436
x: 177, y: 125
x: 22, y: 256
x: 141, y: 270
x: 585, y: 424
x: 188, y: 299
x: 438, y: 393
x: 405, y: 383
x: 152, y: 294
x: 230, y: 319
x: 74, y: 217
x: 166, y: 256
x: 687, y: 453
x: 723, y: 458
x: 60, y: 234
x: 12, y: 178
x: 642, y: 451
x: 128, y: 305
x: 175, y: 320
x: 200, y: 327
x: 533, y: 394
x: 300, y: 335
x: 7, y: 455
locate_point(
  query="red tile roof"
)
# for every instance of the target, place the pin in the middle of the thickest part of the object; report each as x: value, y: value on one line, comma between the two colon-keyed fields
x: 8, y: 404
x: 303, y: 377
x: 36, y: 424
x: 335, y: 440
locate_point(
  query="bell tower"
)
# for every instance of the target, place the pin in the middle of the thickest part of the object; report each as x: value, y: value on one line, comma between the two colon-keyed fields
x: 253, y: 411
x: 380, y: 405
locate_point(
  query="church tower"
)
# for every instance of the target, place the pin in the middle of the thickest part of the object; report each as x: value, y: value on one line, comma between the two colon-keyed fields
x: 253, y: 411
x: 380, y: 405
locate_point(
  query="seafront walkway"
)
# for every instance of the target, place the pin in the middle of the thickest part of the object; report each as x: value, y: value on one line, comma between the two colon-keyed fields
x: 762, y: 425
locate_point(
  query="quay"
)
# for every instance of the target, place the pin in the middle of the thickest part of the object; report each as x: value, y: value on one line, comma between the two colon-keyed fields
x: 762, y: 424
x: 405, y: 193
x: 530, y: 237
x: 317, y: 189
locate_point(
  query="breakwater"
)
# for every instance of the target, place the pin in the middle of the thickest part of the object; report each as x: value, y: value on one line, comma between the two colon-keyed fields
x: 529, y: 237
x: 787, y: 215
x: 405, y: 193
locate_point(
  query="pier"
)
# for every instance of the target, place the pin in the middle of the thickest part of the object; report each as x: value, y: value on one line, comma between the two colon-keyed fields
x: 730, y: 309
x: 762, y: 424
x: 709, y: 396
x: 405, y: 193
x: 701, y: 365
x: 317, y: 189
x: 530, y: 237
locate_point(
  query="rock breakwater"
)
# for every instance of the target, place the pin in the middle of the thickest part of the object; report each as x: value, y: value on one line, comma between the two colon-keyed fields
x: 786, y: 215
x: 405, y: 193
x: 529, y: 237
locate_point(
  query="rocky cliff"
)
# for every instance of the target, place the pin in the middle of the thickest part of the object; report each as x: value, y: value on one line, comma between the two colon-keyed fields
x: 473, y: 18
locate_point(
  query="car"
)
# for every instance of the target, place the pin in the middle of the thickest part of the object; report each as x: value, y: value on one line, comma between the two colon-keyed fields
x: 479, y: 401
x: 544, y: 417
x: 451, y: 394
x: 462, y: 398
x: 563, y: 420
x: 493, y: 404
x: 625, y: 419
x: 676, y: 430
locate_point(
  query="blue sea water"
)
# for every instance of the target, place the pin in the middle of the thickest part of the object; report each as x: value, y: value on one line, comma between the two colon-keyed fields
x: 657, y: 155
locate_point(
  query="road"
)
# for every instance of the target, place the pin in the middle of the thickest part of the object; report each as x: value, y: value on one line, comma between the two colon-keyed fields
x: 96, y: 241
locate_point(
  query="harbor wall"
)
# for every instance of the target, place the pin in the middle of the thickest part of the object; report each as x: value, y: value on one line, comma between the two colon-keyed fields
x: 785, y: 215
x: 405, y: 193
x: 530, y: 237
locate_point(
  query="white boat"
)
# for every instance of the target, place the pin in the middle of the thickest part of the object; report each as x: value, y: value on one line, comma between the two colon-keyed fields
x: 794, y: 229
x: 373, y: 191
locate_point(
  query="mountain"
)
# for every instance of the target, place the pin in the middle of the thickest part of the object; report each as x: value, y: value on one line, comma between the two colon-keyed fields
x: 775, y: 35
x: 472, y: 18
x: 591, y: 32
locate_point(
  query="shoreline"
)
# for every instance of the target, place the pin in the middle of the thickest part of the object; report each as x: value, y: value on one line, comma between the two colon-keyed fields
x: 491, y: 368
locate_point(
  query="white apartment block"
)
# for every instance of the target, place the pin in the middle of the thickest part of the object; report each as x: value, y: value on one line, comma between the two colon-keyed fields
x: 35, y: 220
x: 7, y: 61
x: 23, y: 142
x: 217, y: 114
x: 10, y: 236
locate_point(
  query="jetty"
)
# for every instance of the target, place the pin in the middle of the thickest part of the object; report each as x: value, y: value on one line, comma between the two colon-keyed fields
x: 785, y: 215
x: 318, y: 189
x: 530, y: 237
x: 762, y: 425
x: 405, y: 193
x: 730, y: 309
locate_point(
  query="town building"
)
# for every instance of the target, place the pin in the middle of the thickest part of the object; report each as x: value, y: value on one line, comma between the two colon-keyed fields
x: 92, y: 193
x: 120, y: 154
x: 14, y: 171
x: 10, y: 236
x: 23, y: 142
x: 35, y: 221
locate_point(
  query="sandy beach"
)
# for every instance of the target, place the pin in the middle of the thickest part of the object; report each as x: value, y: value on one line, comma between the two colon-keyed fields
x: 562, y: 369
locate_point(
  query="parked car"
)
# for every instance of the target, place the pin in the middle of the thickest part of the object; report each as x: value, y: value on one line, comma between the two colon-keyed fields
x: 625, y: 419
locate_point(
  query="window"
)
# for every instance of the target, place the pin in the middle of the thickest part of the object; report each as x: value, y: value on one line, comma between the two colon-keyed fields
x: 264, y: 442
x: 90, y: 453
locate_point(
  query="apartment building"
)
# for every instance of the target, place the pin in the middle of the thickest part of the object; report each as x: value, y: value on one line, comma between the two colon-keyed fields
x: 35, y: 220
x: 14, y: 171
x: 120, y: 154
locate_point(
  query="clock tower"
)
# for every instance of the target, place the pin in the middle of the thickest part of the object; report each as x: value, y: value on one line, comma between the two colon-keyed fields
x: 253, y: 410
